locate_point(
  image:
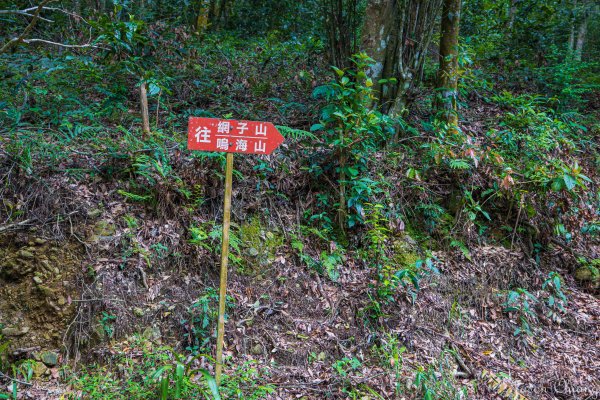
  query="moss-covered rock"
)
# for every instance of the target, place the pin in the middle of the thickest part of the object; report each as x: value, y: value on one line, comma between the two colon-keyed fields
x: 39, y: 370
x: 259, y: 246
x: 102, y: 230
x: 589, y: 273
x: 404, y: 252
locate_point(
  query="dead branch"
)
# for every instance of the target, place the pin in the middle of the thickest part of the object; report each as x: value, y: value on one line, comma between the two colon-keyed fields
x: 23, y: 12
x: 27, y: 12
x: 69, y: 13
x: 69, y: 46
x: 16, y: 225
x: 15, y: 380
x: 34, y: 19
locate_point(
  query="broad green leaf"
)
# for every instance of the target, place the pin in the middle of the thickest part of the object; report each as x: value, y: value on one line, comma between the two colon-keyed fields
x: 153, y: 89
x: 164, y: 388
x: 179, y: 374
x: 557, y: 185
x: 316, y: 127
x: 570, y: 182
x: 338, y: 71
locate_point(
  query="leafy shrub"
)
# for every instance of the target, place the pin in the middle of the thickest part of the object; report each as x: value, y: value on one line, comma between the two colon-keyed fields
x: 520, y: 302
x: 208, y: 236
x: 391, y: 279
x: 436, y: 380
x: 200, y: 324
x: 353, y: 131
x: 554, y: 296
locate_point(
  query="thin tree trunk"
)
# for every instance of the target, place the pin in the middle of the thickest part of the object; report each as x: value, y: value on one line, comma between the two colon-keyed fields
x: 448, y: 72
x: 572, y: 39
x: 341, y: 27
x: 212, y: 11
x: 144, y: 106
x: 203, y: 16
x: 572, y: 32
x: 342, y: 209
x: 512, y: 12
x: 224, y: 11
x: 581, y: 34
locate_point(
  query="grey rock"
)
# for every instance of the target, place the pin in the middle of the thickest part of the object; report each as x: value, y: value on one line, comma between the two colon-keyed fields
x: 49, y: 358
x: 14, y: 331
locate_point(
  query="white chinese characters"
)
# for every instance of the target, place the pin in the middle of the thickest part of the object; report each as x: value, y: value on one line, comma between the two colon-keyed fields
x: 202, y: 134
x: 260, y: 146
x: 223, y: 144
x: 223, y: 127
x: 247, y: 137
x: 241, y: 145
x: 242, y: 127
x: 261, y: 130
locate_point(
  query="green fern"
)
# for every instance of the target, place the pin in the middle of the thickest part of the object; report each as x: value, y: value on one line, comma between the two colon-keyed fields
x: 135, y: 197
x: 459, y: 164
x: 295, y: 134
x: 462, y: 247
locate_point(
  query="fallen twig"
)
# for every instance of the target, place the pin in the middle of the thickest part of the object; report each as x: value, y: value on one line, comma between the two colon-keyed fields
x: 15, y: 380
x: 16, y: 225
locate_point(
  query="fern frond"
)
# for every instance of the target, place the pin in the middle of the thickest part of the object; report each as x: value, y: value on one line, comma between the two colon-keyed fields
x: 135, y: 197
x: 459, y: 164
x: 295, y: 134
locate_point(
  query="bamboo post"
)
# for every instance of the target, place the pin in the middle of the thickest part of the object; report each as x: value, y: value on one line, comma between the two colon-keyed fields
x: 224, y: 258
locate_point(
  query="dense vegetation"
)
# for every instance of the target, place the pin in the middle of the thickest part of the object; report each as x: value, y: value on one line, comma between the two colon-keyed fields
x: 429, y: 229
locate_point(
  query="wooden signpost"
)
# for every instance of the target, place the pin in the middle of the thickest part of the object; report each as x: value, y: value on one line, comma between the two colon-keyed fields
x: 229, y: 136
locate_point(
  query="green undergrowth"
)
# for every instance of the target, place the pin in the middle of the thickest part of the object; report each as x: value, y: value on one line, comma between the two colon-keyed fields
x: 139, y: 369
x: 433, y: 380
x: 253, y: 246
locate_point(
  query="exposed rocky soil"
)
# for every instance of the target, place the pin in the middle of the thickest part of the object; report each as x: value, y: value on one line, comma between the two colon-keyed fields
x: 37, y: 288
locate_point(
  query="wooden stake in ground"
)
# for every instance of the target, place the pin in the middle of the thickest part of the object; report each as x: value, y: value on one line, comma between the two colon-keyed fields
x: 224, y: 259
x: 144, y: 107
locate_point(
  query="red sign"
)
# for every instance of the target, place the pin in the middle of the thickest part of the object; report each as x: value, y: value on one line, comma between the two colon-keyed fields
x: 231, y: 136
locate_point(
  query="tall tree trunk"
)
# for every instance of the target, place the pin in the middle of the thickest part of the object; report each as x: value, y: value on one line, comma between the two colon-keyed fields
x: 512, y: 13
x: 77, y: 7
x: 581, y: 34
x: 397, y: 34
x: 448, y: 72
x: 225, y: 10
x: 343, y: 207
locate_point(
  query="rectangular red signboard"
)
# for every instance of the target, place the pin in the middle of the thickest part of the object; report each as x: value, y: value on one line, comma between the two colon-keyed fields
x: 232, y: 136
